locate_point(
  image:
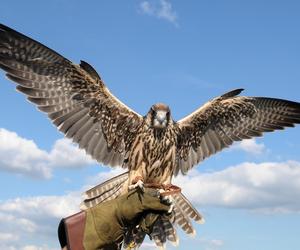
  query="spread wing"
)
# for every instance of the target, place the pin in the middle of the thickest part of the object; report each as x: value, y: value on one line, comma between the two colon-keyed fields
x: 230, y: 118
x: 74, y: 97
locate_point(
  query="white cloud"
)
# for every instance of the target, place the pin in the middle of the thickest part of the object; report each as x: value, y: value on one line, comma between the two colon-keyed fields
x: 103, y: 176
x: 34, y: 219
x: 161, y: 9
x: 24, y: 157
x: 8, y: 237
x: 6, y: 246
x: 34, y: 247
x: 148, y: 246
x: 147, y: 8
x: 68, y: 155
x: 17, y: 246
x: 34, y: 209
x: 266, y: 187
x: 166, y: 12
x: 216, y: 242
x: 249, y: 146
x: 210, y: 244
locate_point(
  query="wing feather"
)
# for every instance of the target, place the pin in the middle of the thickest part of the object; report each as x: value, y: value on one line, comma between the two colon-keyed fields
x: 229, y: 118
x: 77, y: 122
x: 74, y: 97
x: 87, y: 134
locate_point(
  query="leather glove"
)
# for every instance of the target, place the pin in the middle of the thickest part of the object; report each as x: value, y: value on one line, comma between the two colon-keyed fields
x: 107, y: 222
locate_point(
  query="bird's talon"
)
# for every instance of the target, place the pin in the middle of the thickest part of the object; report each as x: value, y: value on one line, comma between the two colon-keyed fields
x: 169, y: 199
x: 171, y: 208
x: 139, y: 184
x: 161, y: 191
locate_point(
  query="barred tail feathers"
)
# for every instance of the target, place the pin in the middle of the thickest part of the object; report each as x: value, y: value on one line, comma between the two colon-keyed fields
x: 163, y: 231
x: 105, y: 191
x: 164, y: 228
x: 188, y: 209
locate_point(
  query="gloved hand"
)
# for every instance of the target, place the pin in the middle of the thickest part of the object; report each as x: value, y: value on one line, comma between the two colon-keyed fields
x: 107, y: 222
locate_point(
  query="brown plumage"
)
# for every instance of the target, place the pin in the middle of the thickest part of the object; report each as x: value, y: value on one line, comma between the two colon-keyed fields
x: 154, y: 146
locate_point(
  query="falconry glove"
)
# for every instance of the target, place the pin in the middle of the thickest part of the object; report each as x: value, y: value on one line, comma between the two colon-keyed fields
x: 106, y: 223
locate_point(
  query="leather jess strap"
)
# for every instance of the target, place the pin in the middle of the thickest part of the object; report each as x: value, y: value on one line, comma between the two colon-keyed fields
x: 169, y: 189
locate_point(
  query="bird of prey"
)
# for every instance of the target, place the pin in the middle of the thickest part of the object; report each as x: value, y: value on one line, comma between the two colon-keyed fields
x: 153, y: 147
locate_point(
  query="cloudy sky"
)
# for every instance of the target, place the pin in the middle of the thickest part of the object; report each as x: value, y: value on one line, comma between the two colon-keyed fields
x: 174, y: 52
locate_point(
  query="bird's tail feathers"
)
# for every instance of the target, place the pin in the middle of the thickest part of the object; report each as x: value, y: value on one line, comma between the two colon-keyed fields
x: 105, y: 191
x: 187, y: 208
x: 163, y: 231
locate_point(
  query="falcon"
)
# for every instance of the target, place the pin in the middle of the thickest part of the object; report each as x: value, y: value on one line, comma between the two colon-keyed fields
x: 153, y: 147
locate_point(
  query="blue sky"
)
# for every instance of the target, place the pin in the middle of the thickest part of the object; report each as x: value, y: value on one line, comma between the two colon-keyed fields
x: 175, y: 52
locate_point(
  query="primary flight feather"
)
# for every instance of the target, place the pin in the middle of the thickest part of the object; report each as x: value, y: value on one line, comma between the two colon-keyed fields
x: 153, y: 147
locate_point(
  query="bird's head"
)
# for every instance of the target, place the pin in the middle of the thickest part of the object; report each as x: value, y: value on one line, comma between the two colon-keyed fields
x: 159, y: 116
